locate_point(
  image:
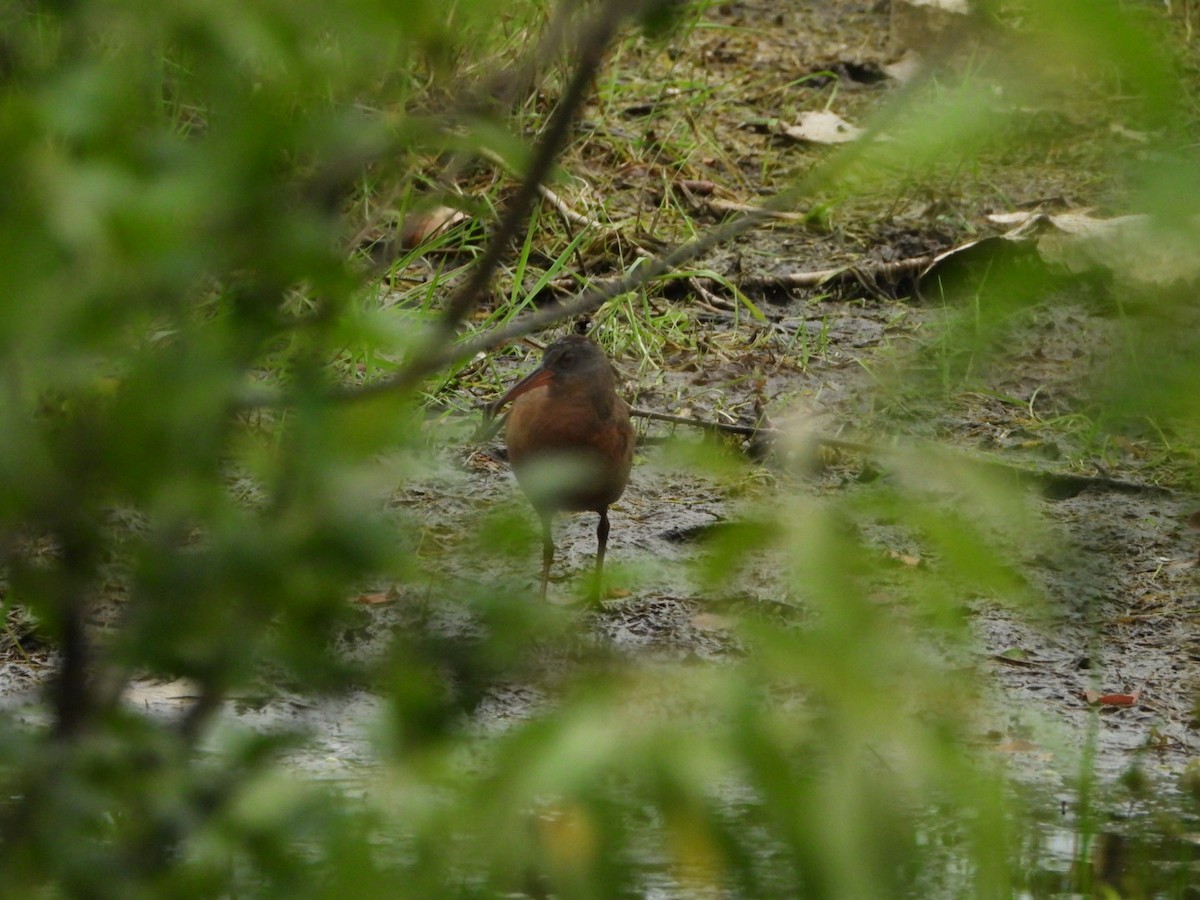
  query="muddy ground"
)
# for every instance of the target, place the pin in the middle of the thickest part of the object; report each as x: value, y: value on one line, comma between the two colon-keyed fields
x: 1119, y: 590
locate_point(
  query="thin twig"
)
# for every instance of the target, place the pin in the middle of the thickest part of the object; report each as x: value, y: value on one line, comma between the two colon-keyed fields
x: 1051, y: 482
x: 565, y: 210
x: 722, y: 207
x: 717, y: 304
x: 728, y: 428
x: 769, y: 433
x: 888, y: 270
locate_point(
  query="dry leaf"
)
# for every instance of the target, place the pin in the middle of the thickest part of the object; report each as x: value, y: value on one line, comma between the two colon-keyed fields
x: 1141, y: 137
x: 1131, y: 247
x: 951, y: 6
x: 905, y: 559
x: 1120, y: 699
x: 1096, y: 698
x: 823, y: 128
x: 712, y: 622
x: 420, y: 227
x: 377, y: 598
x: 905, y: 69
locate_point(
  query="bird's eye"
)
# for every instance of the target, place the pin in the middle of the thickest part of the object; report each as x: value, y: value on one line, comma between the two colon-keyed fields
x: 567, y: 358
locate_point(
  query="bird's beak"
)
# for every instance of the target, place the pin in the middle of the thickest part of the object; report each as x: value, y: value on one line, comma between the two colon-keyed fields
x: 534, y: 379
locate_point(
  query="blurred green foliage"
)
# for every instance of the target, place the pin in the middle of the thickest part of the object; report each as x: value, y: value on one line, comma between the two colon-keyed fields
x: 179, y: 184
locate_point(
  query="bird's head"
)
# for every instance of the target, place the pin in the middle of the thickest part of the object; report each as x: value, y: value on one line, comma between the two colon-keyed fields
x: 570, y: 363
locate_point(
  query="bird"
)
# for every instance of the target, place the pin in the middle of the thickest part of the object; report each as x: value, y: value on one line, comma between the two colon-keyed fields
x: 570, y: 440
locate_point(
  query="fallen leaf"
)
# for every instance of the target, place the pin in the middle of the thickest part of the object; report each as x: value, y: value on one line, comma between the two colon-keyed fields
x: 822, y: 127
x: 906, y: 68
x: 952, y: 6
x: 420, y: 227
x: 377, y: 598
x: 712, y: 622
x: 1097, y: 699
x: 1134, y: 248
x: 1120, y: 699
x: 1140, y: 136
x: 905, y: 559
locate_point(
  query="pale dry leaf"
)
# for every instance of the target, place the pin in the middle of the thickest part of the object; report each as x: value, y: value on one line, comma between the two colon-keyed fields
x: 906, y: 68
x: 905, y: 559
x: 421, y: 226
x: 147, y: 692
x: 1131, y: 247
x: 377, y: 598
x: 712, y: 622
x: 1120, y: 130
x: 1017, y: 219
x: 823, y: 127
x: 951, y: 6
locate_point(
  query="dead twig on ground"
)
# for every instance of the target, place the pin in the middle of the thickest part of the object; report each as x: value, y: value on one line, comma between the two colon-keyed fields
x: 565, y: 210
x: 1054, y: 485
x: 724, y: 207
x: 726, y: 427
x: 868, y: 276
x: 861, y: 274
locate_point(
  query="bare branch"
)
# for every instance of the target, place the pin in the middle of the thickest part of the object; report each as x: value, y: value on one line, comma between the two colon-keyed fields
x: 589, y: 301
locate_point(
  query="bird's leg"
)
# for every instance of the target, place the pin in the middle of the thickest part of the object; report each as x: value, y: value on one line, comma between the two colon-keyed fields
x: 547, y: 549
x: 601, y: 547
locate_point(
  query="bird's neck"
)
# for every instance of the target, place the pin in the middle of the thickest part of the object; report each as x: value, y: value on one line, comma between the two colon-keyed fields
x: 598, y: 393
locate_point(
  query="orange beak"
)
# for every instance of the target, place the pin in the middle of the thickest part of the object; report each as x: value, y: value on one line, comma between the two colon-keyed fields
x: 534, y: 379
